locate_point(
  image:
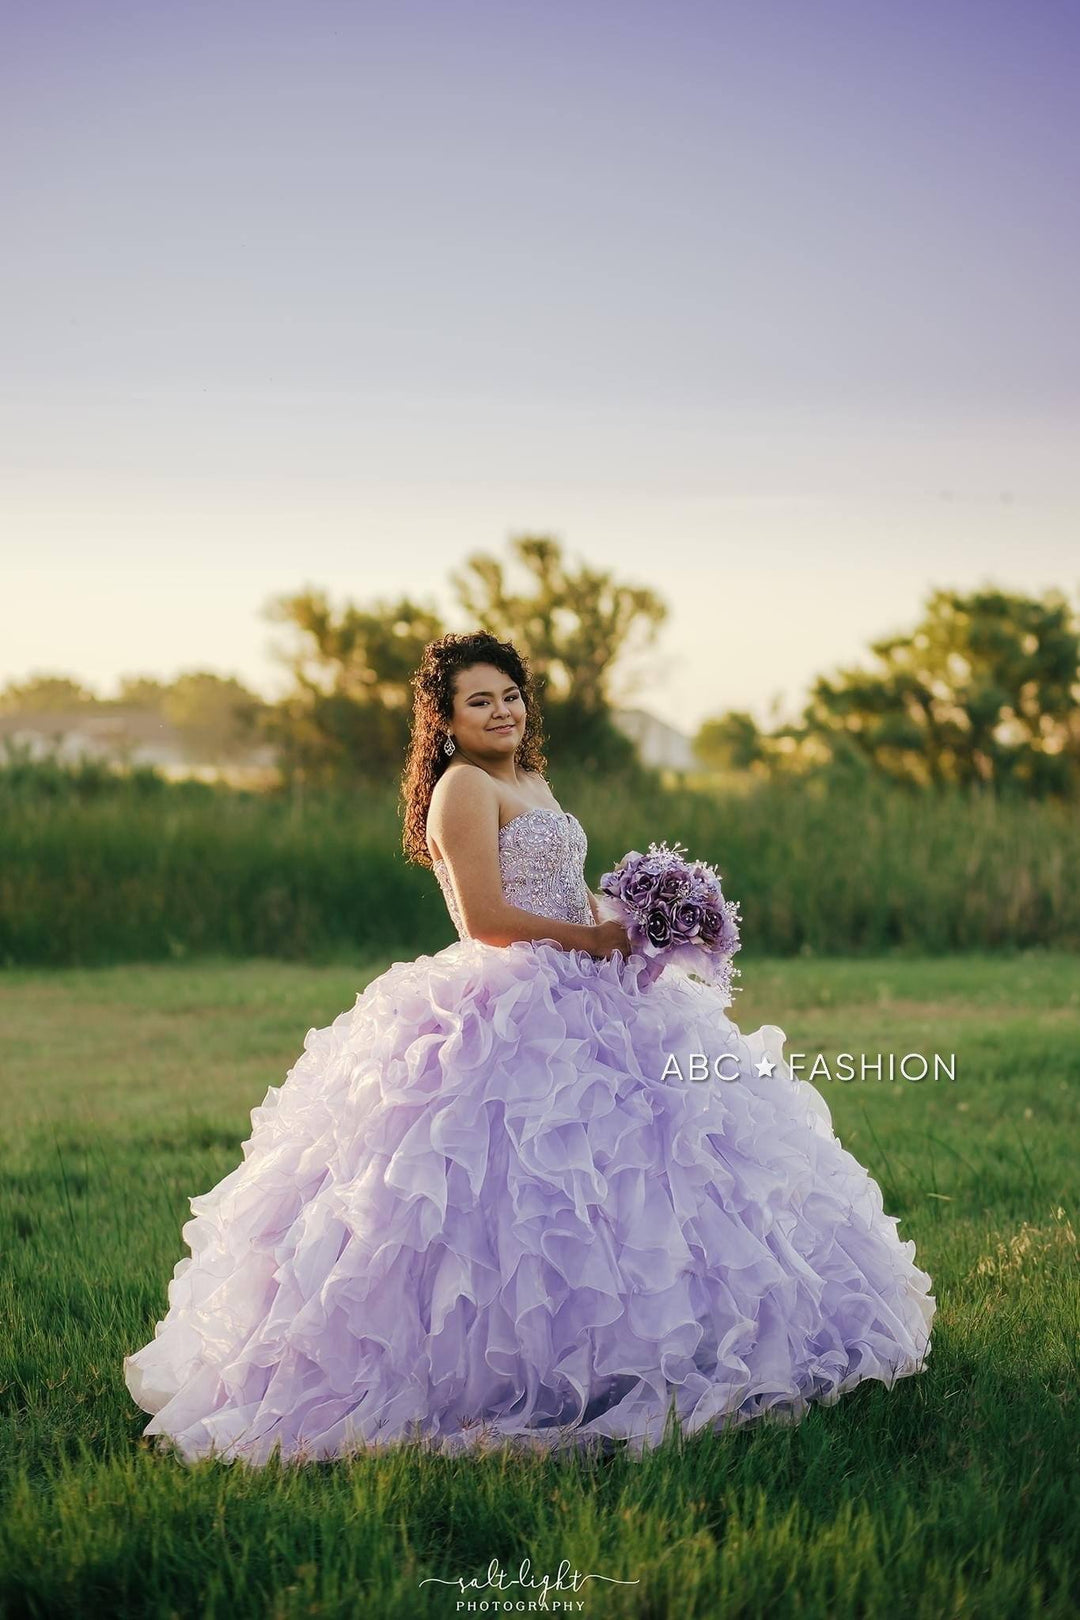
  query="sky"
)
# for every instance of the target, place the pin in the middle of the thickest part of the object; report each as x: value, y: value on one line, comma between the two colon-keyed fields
x: 767, y: 307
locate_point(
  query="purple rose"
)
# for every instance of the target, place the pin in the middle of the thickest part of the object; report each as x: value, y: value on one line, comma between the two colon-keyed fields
x: 658, y: 927
x: 712, y: 925
x: 640, y: 889
x: 686, y: 919
x: 674, y: 885
x: 719, y: 930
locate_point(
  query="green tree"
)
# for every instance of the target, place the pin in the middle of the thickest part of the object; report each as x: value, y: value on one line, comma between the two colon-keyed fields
x: 215, y: 715
x: 578, y: 625
x: 348, y: 712
x: 142, y: 692
x: 581, y: 630
x: 347, y: 715
x: 45, y: 694
x: 729, y: 741
x: 984, y: 691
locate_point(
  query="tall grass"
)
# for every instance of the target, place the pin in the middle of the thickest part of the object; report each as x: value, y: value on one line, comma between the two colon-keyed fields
x: 873, y: 867
x: 97, y: 869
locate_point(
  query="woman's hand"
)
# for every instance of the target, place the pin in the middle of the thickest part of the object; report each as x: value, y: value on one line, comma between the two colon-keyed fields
x: 609, y: 937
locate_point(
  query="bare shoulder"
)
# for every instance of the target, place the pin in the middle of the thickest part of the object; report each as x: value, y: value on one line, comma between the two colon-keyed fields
x: 463, y: 797
x: 462, y: 788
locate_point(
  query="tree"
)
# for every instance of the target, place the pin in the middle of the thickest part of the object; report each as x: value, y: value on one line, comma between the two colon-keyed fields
x: 142, y: 692
x: 215, y: 715
x: 729, y: 741
x: 45, y: 694
x: 985, y: 690
x: 580, y: 630
x: 348, y: 713
x: 575, y: 624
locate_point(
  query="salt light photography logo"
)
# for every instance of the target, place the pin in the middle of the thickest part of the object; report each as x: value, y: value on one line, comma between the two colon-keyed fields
x: 547, y: 1593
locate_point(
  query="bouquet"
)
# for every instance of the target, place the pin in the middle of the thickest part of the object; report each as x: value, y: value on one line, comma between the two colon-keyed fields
x: 674, y: 911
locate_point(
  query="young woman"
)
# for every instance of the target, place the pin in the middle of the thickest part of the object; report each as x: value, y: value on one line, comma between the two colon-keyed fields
x: 481, y: 1209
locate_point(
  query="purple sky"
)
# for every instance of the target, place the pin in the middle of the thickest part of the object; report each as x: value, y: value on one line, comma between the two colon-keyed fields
x: 769, y: 307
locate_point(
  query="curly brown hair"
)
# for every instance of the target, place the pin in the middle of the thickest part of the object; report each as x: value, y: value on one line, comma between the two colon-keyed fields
x: 433, y: 708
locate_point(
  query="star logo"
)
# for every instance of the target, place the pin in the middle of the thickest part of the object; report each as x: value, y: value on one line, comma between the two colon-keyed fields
x: 765, y: 1067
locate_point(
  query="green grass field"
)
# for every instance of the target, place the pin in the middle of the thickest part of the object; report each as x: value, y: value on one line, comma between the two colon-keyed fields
x: 128, y: 1089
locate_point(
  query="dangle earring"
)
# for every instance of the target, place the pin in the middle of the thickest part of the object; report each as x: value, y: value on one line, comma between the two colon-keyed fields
x: 449, y: 745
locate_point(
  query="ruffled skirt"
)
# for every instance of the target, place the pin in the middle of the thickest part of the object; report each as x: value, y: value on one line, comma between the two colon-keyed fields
x: 484, y: 1207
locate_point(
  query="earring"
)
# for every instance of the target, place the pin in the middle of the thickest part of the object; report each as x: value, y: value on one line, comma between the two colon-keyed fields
x: 449, y: 745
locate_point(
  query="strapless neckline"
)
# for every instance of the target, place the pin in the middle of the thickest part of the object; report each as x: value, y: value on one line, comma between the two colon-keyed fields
x: 537, y: 810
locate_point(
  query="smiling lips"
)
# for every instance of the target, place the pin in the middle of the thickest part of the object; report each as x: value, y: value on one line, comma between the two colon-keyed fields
x: 502, y: 728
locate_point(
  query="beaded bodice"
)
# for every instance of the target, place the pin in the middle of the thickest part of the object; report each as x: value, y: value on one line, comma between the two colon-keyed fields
x: 542, y: 860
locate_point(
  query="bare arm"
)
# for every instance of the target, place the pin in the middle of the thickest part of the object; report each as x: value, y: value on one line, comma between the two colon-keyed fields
x: 464, y: 820
x: 510, y: 923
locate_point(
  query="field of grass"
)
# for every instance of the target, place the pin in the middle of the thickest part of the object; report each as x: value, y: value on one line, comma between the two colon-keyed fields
x: 128, y: 1089
x: 97, y: 870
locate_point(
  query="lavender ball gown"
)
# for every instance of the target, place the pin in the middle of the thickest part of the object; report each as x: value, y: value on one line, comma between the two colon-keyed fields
x: 474, y: 1213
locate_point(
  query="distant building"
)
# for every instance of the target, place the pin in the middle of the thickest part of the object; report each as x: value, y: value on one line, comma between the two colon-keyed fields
x: 659, y: 745
x: 72, y: 735
x: 124, y: 735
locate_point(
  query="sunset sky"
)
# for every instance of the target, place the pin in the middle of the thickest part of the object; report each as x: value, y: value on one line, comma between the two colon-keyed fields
x: 769, y: 307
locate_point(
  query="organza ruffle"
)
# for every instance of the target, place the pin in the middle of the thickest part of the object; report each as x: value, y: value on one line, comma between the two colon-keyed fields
x: 475, y: 1212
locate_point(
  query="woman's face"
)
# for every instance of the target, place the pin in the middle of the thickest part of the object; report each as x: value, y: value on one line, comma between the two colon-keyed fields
x: 489, y: 712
